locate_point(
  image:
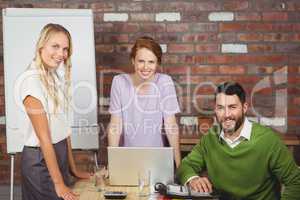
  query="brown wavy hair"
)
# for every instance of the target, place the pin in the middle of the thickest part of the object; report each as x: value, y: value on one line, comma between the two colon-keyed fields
x: 148, y: 43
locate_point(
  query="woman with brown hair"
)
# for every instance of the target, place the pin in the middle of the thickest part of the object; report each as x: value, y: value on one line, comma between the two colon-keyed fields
x: 143, y: 102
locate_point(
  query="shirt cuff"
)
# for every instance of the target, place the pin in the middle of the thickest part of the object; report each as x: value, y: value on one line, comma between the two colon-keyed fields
x: 189, y: 179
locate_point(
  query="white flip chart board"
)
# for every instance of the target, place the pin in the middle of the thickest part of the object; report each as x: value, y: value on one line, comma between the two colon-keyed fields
x: 21, y: 28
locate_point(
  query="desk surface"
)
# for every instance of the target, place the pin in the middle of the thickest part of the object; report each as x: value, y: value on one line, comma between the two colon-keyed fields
x: 87, y: 191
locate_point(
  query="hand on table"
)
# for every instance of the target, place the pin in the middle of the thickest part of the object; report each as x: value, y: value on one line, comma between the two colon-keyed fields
x: 200, y: 184
x: 64, y: 192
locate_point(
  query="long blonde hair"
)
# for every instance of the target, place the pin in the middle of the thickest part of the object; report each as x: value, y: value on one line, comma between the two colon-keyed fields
x: 46, y: 76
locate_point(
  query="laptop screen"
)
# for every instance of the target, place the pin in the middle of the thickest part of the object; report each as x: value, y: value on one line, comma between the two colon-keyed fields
x: 124, y: 164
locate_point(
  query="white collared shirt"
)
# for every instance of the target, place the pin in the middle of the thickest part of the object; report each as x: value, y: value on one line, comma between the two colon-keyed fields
x: 59, y: 122
x: 244, y: 135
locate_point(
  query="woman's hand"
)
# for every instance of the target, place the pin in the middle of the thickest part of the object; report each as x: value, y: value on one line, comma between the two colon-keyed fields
x: 64, y: 192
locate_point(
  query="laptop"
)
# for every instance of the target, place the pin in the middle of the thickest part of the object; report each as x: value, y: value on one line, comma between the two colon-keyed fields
x: 124, y: 164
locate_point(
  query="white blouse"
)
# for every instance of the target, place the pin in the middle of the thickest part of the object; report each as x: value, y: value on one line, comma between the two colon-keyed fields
x: 59, y: 123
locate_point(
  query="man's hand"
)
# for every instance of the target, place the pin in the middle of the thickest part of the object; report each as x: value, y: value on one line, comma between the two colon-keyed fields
x: 200, y: 184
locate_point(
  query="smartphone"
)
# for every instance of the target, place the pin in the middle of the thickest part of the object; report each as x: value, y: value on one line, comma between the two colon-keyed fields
x: 115, y: 195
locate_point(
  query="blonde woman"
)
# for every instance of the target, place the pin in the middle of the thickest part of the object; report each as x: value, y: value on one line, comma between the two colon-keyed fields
x: 45, y: 95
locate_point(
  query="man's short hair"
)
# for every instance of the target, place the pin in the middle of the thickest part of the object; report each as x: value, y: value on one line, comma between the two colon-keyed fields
x: 232, y: 88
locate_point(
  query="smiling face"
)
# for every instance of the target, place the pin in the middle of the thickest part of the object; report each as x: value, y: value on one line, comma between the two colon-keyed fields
x: 145, y: 64
x: 55, y: 50
x: 230, y: 112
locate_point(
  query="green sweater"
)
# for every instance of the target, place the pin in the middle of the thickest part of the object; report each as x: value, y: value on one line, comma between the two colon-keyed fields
x: 251, y: 170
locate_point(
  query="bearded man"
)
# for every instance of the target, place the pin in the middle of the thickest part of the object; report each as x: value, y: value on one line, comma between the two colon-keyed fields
x: 243, y: 159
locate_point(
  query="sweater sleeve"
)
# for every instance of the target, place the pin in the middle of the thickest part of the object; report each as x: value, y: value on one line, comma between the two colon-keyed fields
x: 193, y: 163
x: 286, y: 170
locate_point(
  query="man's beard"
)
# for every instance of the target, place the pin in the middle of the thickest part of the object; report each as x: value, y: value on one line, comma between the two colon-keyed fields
x: 238, y: 122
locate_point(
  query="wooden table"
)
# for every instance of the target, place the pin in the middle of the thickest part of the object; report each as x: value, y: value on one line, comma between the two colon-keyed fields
x: 88, y: 191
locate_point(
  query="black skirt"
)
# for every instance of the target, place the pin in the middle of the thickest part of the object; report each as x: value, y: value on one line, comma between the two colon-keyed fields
x: 36, y: 180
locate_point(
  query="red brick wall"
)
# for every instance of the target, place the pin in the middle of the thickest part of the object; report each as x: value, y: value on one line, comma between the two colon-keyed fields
x: 267, y: 33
